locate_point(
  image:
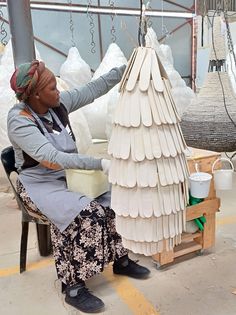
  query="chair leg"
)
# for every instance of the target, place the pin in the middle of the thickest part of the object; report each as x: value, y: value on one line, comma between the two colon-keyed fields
x: 23, y: 245
x: 44, y: 239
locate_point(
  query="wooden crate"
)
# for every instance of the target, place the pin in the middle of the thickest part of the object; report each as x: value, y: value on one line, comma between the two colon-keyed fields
x: 196, y: 242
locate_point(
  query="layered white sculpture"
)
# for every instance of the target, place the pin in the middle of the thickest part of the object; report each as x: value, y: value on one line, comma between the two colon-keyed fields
x: 75, y: 71
x: 148, y: 170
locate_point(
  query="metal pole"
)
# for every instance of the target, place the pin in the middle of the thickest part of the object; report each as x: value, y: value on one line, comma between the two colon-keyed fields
x: 21, y: 31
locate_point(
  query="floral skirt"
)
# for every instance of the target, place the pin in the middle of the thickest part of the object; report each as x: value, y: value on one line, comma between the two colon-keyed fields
x: 87, y: 245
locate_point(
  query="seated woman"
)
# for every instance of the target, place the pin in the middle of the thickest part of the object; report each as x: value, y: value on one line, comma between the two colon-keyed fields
x: 83, y: 231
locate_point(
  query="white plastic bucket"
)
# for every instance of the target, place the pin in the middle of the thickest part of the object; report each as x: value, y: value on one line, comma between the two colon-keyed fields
x: 200, y: 184
x: 223, y: 178
x: 91, y: 183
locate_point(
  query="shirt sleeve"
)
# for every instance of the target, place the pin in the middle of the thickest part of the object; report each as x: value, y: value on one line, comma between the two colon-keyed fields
x: 24, y: 133
x: 77, y: 98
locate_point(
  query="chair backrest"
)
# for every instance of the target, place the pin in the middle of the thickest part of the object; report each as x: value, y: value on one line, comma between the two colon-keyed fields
x: 8, y: 160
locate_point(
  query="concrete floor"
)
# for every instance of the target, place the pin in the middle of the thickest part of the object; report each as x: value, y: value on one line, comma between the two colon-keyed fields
x: 202, y: 285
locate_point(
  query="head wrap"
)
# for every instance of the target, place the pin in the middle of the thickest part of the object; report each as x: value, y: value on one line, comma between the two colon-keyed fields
x: 29, y: 78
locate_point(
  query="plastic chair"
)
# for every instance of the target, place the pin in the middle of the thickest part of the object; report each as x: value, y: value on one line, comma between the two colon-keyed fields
x: 43, y: 228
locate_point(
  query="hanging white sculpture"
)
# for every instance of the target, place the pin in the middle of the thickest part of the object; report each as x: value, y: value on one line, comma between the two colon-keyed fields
x: 148, y: 170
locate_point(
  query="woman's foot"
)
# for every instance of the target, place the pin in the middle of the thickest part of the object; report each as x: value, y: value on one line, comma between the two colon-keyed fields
x: 79, y: 297
x: 126, y: 266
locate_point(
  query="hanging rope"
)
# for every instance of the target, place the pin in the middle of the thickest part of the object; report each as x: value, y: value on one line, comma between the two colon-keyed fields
x: 91, y: 29
x: 71, y: 23
x: 113, y: 31
x: 3, y: 31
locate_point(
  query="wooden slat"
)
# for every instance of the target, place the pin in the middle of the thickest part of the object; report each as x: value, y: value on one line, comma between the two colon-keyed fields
x: 191, y: 247
x: 207, y: 206
x: 189, y: 236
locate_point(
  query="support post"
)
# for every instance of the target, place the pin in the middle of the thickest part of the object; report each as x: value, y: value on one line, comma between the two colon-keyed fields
x: 21, y: 31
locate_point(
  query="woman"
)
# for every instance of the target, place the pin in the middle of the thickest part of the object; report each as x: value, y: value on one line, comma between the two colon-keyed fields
x: 83, y: 231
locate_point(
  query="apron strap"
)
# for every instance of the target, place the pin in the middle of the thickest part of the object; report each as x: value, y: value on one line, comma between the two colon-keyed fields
x: 39, y: 121
x: 56, y: 118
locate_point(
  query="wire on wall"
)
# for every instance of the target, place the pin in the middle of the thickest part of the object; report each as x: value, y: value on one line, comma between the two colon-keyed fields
x: 91, y: 27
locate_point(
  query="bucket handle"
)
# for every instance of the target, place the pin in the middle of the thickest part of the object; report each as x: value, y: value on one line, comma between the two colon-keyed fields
x: 222, y: 159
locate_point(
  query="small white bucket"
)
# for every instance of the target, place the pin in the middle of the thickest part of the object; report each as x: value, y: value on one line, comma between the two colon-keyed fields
x: 200, y: 184
x: 223, y: 178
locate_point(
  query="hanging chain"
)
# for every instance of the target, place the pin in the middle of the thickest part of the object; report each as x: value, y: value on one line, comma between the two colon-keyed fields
x: 229, y: 38
x: 71, y: 24
x: 149, y: 20
x: 113, y: 30
x: 91, y: 29
x: 3, y: 31
x: 142, y: 29
x: 164, y: 31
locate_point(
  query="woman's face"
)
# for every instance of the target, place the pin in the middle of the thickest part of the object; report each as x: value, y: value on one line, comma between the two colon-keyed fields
x: 49, y: 95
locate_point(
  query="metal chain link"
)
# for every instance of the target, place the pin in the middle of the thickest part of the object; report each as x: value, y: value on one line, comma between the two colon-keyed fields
x: 3, y: 31
x: 149, y: 20
x: 229, y: 38
x: 113, y: 30
x: 92, y: 26
x: 71, y: 24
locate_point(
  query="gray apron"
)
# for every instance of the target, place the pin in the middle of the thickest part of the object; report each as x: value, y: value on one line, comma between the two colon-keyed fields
x: 47, y: 188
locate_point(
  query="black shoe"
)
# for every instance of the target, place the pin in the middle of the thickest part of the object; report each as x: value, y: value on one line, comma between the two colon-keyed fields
x: 126, y: 266
x: 80, y: 297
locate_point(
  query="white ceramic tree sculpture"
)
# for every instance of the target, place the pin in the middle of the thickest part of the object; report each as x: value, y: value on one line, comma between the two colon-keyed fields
x: 148, y: 170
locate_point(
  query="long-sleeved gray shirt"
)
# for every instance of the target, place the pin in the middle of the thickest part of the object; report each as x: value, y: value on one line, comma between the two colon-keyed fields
x: 25, y: 135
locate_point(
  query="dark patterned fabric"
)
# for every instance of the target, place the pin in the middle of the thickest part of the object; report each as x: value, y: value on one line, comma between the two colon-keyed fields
x: 87, y: 245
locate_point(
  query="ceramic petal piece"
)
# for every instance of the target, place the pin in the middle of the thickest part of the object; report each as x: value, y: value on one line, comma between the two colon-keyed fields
x: 156, y: 74
x: 147, y: 144
x: 167, y: 84
x: 134, y: 73
x: 162, y: 139
x: 152, y: 102
x: 127, y: 70
x: 158, y: 102
x: 145, y: 73
x: 135, y: 112
x: 161, y: 172
x: 131, y: 171
x: 146, y: 114
x: 155, y: 142
x: 139, y: 145
x: 170, y: 141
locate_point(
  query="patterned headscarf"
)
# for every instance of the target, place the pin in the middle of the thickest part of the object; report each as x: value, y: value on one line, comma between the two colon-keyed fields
x: 29, y: 78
